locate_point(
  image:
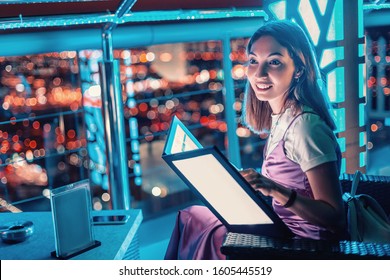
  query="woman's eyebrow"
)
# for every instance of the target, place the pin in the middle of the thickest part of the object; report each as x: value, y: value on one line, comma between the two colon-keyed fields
x: 271, y: 54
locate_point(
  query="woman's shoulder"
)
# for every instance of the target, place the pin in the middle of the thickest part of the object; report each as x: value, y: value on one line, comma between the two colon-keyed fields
x: 308, y: 122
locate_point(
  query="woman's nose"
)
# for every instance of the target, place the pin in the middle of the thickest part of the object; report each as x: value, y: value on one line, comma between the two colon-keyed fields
x: 262, y: 70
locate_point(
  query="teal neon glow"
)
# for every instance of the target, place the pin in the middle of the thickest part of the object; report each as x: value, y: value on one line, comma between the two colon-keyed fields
x: 137, y: 169
x: 362, y: 159
x: 375, y: 6
x: 361, y: 50
x: 342, y: 145
x: 278, y: 9
x: 310, y: 20
x: 343, y: 167
x: 133, y: 128
x: 340, y: 119
x: 362, y: 115
x: 133, y: 17
x: 331, y: 55
x: 336, y: 27
x: 138, y: 181
x: 336, y: 91
x: 362, y: 139
x: 360, y: 19
x: 322, y: 4
x: 135, y: 146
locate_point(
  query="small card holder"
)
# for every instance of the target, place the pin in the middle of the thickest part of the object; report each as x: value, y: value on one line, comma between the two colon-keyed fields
x: 71, y: 212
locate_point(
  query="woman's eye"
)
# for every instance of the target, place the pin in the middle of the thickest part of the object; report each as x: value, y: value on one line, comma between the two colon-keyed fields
x: 252, y: 61
x: 274, y: 62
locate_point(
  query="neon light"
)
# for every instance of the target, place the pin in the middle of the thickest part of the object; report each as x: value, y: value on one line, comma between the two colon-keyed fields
x: 331, y: 55
x: 336, y: 27
x: 362, y: 115
x: 343, y: 168
x: 360, y: 19
x: 335, y: 80
x: 362, y: 159
x: 362, y: 139
x: 133, y: 128
x: 322, y: 4
x: 138, y: 181
x: 375, y: 6
x: 310, y: 20
x: 342, y: 144
x: 340, y: 119
x: 137, y: 169
x: 278, y: 9
x: 135, y: 146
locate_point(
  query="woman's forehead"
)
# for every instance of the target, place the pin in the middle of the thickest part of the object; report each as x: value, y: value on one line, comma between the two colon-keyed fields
x: 268, y: 45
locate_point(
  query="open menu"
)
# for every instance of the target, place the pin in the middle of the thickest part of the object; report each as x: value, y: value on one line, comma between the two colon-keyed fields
x: 219, y: 185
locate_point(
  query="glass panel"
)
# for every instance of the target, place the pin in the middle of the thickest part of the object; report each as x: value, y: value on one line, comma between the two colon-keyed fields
x: 42, y: 135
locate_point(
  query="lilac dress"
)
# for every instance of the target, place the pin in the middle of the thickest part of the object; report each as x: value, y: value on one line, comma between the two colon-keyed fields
x: 198, y: 234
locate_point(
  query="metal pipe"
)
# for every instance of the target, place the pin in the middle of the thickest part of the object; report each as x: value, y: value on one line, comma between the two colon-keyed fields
x: 124, y: 7
x: 112, y: 108
x: 14, y: 44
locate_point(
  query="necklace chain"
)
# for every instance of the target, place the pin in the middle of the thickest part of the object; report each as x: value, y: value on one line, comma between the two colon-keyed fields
x: 275, y: 125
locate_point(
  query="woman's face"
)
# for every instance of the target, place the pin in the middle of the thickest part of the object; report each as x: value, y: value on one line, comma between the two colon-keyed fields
x: 270, y: 71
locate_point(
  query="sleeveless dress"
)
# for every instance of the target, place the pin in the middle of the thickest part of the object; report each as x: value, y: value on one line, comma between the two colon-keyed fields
x: 198, y: 234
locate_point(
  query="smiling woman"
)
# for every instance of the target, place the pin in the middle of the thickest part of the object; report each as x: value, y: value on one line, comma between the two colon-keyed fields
x: 302, y: 158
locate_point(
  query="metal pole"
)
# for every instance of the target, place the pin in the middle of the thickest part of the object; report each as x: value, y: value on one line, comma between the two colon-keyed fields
x: 113, y: 118
x: 351, y: 69
x: 230, y: 113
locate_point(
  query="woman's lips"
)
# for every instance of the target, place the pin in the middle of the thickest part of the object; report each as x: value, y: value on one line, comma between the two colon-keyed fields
x: 263, y: 86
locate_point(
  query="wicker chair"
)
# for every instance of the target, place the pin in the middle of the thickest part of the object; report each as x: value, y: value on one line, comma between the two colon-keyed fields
x: 250, y: 246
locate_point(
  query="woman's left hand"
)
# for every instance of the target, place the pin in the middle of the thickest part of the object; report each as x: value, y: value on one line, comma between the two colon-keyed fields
x: 258, y: 181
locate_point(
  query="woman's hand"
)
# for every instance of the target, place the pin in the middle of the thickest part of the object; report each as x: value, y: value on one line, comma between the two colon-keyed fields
x: 258, y: 181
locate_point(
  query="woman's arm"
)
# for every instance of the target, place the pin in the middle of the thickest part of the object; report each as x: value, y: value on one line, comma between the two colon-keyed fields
x: 326, y: 209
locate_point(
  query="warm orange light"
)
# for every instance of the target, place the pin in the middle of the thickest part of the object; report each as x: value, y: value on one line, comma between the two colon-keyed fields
x: 60, y: 139
x: 33, y: 144
x: 71, y: 133
x: 143, y: 107
x: 36, y: 125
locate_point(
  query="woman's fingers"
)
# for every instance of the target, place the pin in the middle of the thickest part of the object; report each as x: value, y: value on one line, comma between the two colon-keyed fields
x: 252, y: 177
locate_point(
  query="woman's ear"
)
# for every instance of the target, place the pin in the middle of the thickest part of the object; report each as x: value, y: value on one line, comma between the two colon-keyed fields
x: 298, y: 72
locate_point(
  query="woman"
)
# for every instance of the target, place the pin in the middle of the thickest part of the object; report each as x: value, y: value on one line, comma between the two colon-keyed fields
x: 284, y: 96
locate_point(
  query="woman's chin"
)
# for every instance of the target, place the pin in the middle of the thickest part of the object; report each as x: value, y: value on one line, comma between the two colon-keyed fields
x: 262, y: 96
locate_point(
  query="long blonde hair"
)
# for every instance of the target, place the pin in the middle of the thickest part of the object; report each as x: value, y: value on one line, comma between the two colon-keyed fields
x: 307, y: 90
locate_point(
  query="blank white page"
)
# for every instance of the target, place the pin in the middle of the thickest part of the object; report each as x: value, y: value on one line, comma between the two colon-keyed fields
x: 221, y: 190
